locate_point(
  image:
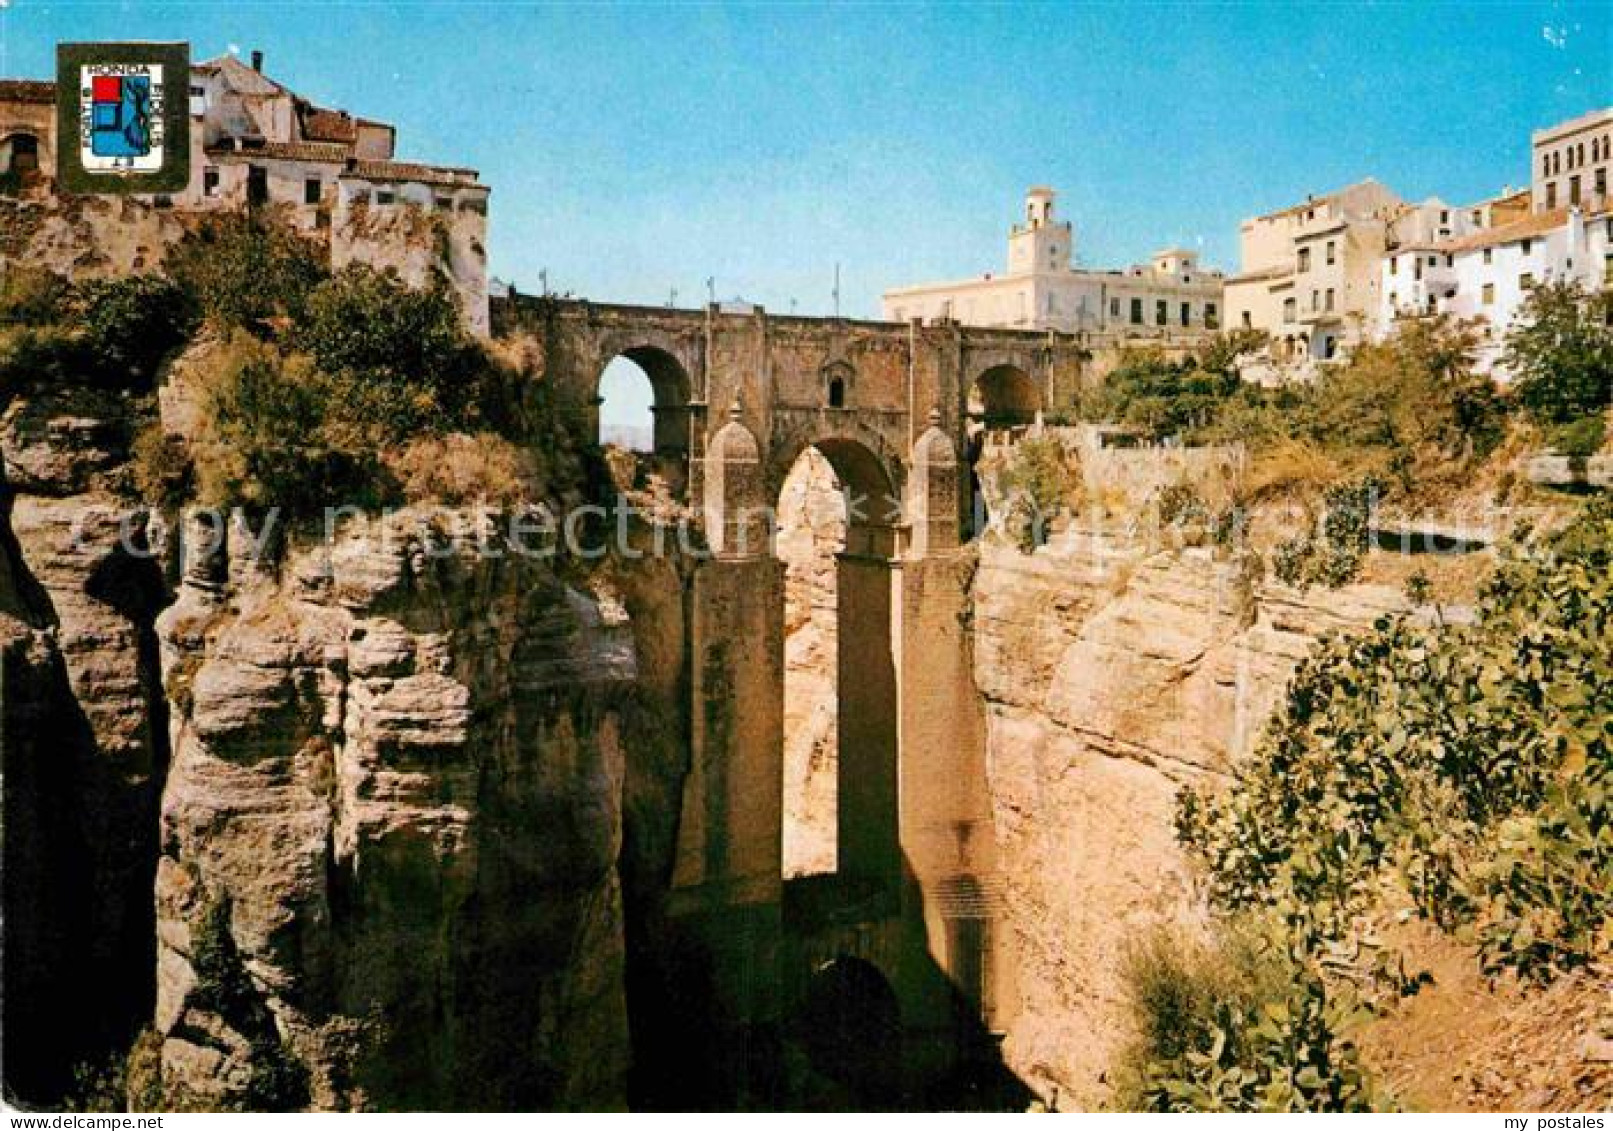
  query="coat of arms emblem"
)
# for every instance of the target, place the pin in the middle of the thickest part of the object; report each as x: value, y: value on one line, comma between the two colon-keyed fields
x: 120, y: 117
x: 123, y: 116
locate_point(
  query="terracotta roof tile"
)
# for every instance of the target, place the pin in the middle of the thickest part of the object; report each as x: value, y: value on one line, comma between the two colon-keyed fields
x: 327, y: 125
x: 410, y: 171
x: 325, y: 151
x: 1537, y: 224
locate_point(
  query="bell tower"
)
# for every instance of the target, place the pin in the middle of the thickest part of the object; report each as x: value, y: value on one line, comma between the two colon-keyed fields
x: 1040, y: 243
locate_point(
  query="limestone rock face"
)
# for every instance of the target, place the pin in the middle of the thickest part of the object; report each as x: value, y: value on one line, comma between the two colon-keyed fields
x: 1113, y: 676
x: 812, y: 529
x: 84, y: 738
x: 397, y: 789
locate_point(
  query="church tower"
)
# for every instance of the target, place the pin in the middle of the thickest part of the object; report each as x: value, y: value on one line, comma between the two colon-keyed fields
x: 1040, y: 244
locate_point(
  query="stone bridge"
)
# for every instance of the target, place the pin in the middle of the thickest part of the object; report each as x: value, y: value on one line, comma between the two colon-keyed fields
x: 892, y: 407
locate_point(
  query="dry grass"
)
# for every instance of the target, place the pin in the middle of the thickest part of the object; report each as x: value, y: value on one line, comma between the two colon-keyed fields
x: 459, y: 469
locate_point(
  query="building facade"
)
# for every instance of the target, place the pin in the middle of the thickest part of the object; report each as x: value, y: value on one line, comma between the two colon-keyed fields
x: 1309, y: 276
x: 257, y: 144
x: 1170, y: 298
x: 1486, y: 275
x: 1560, y: 230
x: 1572, y: 161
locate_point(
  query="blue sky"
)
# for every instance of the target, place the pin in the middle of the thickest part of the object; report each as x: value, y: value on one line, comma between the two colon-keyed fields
x: 641, y: 147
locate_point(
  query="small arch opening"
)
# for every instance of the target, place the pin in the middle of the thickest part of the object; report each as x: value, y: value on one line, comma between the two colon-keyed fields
x: 642, y: 414
x: 837, y: 392
x: 1004, y: 397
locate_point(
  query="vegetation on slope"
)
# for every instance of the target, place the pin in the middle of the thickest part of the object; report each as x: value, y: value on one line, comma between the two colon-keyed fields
x: 315, y: 388
x: 1467, y: 768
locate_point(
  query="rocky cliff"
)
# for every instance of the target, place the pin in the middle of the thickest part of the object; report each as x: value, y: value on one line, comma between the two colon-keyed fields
x: 85, y: 737
x: 1114, y: 674
x: 348, y: 825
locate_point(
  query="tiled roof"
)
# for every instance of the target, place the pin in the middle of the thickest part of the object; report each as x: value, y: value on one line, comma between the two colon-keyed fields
x: 410, y: 171
x: 327, y: 125
x: 326, y: 151
x: 27, y: 90
x: 1537, y: 224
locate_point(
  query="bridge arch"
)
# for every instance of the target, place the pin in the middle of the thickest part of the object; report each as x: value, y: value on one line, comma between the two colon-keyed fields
x: 1004, y: 396
x: 850, y: 1025
x: 671, y: 391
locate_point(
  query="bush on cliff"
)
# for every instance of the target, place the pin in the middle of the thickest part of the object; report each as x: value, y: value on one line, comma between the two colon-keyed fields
x: 245, y: 273
x: 111, y: 333
x: 1471, y: 764
x: 371, y: 399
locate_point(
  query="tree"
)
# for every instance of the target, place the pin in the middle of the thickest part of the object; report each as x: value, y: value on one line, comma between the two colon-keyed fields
x: 1560, y: 352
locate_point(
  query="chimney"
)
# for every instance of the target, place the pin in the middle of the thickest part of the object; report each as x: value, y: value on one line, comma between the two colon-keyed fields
x: 257, y: 61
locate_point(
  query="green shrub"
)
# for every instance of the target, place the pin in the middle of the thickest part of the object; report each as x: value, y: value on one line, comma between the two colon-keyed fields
x: 1560, y: 352
x: 1582, y: 437
x: 130, y: 325
x: 274, y: 435
x: 400, y: 357
x: 1034, y: 484
x: 1470, y: 761
x: 244, y: 273
x: 163, y: 474
x: 1236, y: 1025
x: 32, y: 296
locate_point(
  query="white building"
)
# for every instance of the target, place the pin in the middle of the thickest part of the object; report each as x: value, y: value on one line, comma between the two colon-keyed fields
x: 1486, y: 275
x: 1170, y: 298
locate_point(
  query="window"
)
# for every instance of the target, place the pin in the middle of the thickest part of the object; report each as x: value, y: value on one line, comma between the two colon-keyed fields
x: 1488, y: 294
x: 1290, y: 309
x: 1433, y: 261
x: 1187, y: 314
x: 1248, y: 320
x: 1330, y: 298
x: 1488, y: 254
x: 444, y: 203
x: 1330, y: 253
x: 1444, y: 216
x: 1527, y: 246
x: 1573, y: 190
x: 1136, y: 312
x: 210, y: 180
x: 311, y: 190
x: 382, y: 196
x: 1211, y: 320
x: 1162, y: 313
x: 1304, y: 259
x: 1114, y: 308
x: 1551, y: 195
x: 1450, y: 260
x: 1330, y: 346
x: 1607, y: 270
x: 1601, y: 182
x: 1526, y: 280
x: 257, y: 185
x: 1394, y: 265
x: 1316, y: 300
x: 837, y: 392
x: 1417, y: 268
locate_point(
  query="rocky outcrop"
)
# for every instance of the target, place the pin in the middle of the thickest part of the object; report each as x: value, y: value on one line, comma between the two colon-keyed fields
x: 85, y: 745
x: 1114, y: 675
x: 812, y: 530
x: 398, y: 791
